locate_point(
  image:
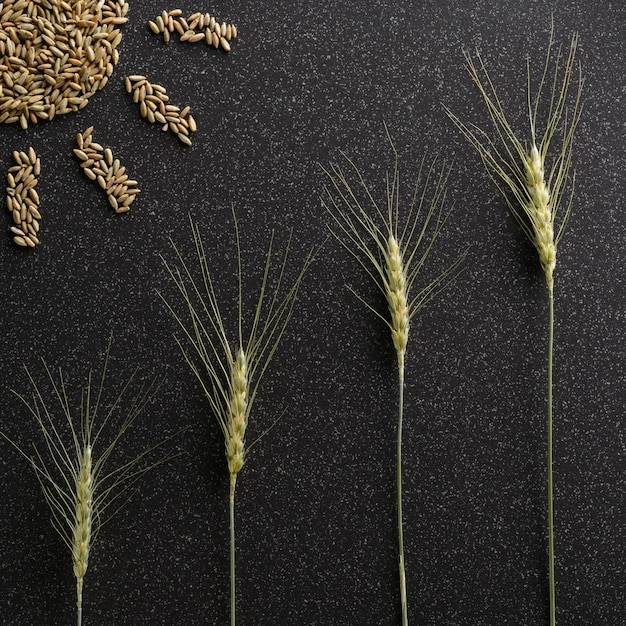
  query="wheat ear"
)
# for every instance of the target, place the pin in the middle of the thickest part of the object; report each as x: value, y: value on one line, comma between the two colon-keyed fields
x: 533, y: 191
x: 81, y: 532
x: 534, y: 196
x: 229, y: 371
x: 81, y: 497
x: 392, y: 247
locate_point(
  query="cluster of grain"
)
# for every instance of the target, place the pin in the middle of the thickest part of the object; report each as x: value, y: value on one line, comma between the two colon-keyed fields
x: 23, y: 199
x: 197, y: 27
x: 55, y: 54
x: 99, y: 164
x: 154, y: 106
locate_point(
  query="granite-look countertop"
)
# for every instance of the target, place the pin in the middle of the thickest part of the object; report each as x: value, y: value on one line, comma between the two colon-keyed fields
x: 315, y: 507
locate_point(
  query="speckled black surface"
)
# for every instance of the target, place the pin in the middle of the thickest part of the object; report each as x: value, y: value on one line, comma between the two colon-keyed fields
x: 316, y: 502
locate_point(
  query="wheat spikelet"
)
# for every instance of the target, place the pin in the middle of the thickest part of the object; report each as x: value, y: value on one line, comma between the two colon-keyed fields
x: 237, y: 415
x: 397, y: 297
x: 534, y: 192
x: 81, y: 532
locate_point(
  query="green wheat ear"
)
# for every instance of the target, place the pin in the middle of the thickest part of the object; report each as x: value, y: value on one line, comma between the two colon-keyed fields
x: 392, y: 244
x: 229, y: 367
x: 533, y: 177
x: 72, y: 464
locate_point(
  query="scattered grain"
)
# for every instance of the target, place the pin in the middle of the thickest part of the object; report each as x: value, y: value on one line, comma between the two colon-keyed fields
x: 154, y: 106
x: 99, y: 164
x: 197, y: 27
x: 22, y: 197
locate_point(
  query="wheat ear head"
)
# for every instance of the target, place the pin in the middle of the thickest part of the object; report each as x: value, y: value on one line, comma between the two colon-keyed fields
x: 230, y: 371
x: 237, y: 414
x: 397, y: 297
x: 533, y: 191
x: 539, y: 212
x: 392, y: 247
x: 81, y: 532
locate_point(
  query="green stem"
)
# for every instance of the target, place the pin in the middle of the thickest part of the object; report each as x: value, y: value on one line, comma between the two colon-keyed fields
x: 550, y: 482
x: 233, y: 481
x: 405, y: 619
x: 79, y: 601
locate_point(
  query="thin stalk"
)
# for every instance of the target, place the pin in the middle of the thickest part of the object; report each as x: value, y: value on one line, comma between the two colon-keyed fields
x: 233, y: 480
x: 403, y: 600
x: 550, y: 496
x: 79, y: 602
